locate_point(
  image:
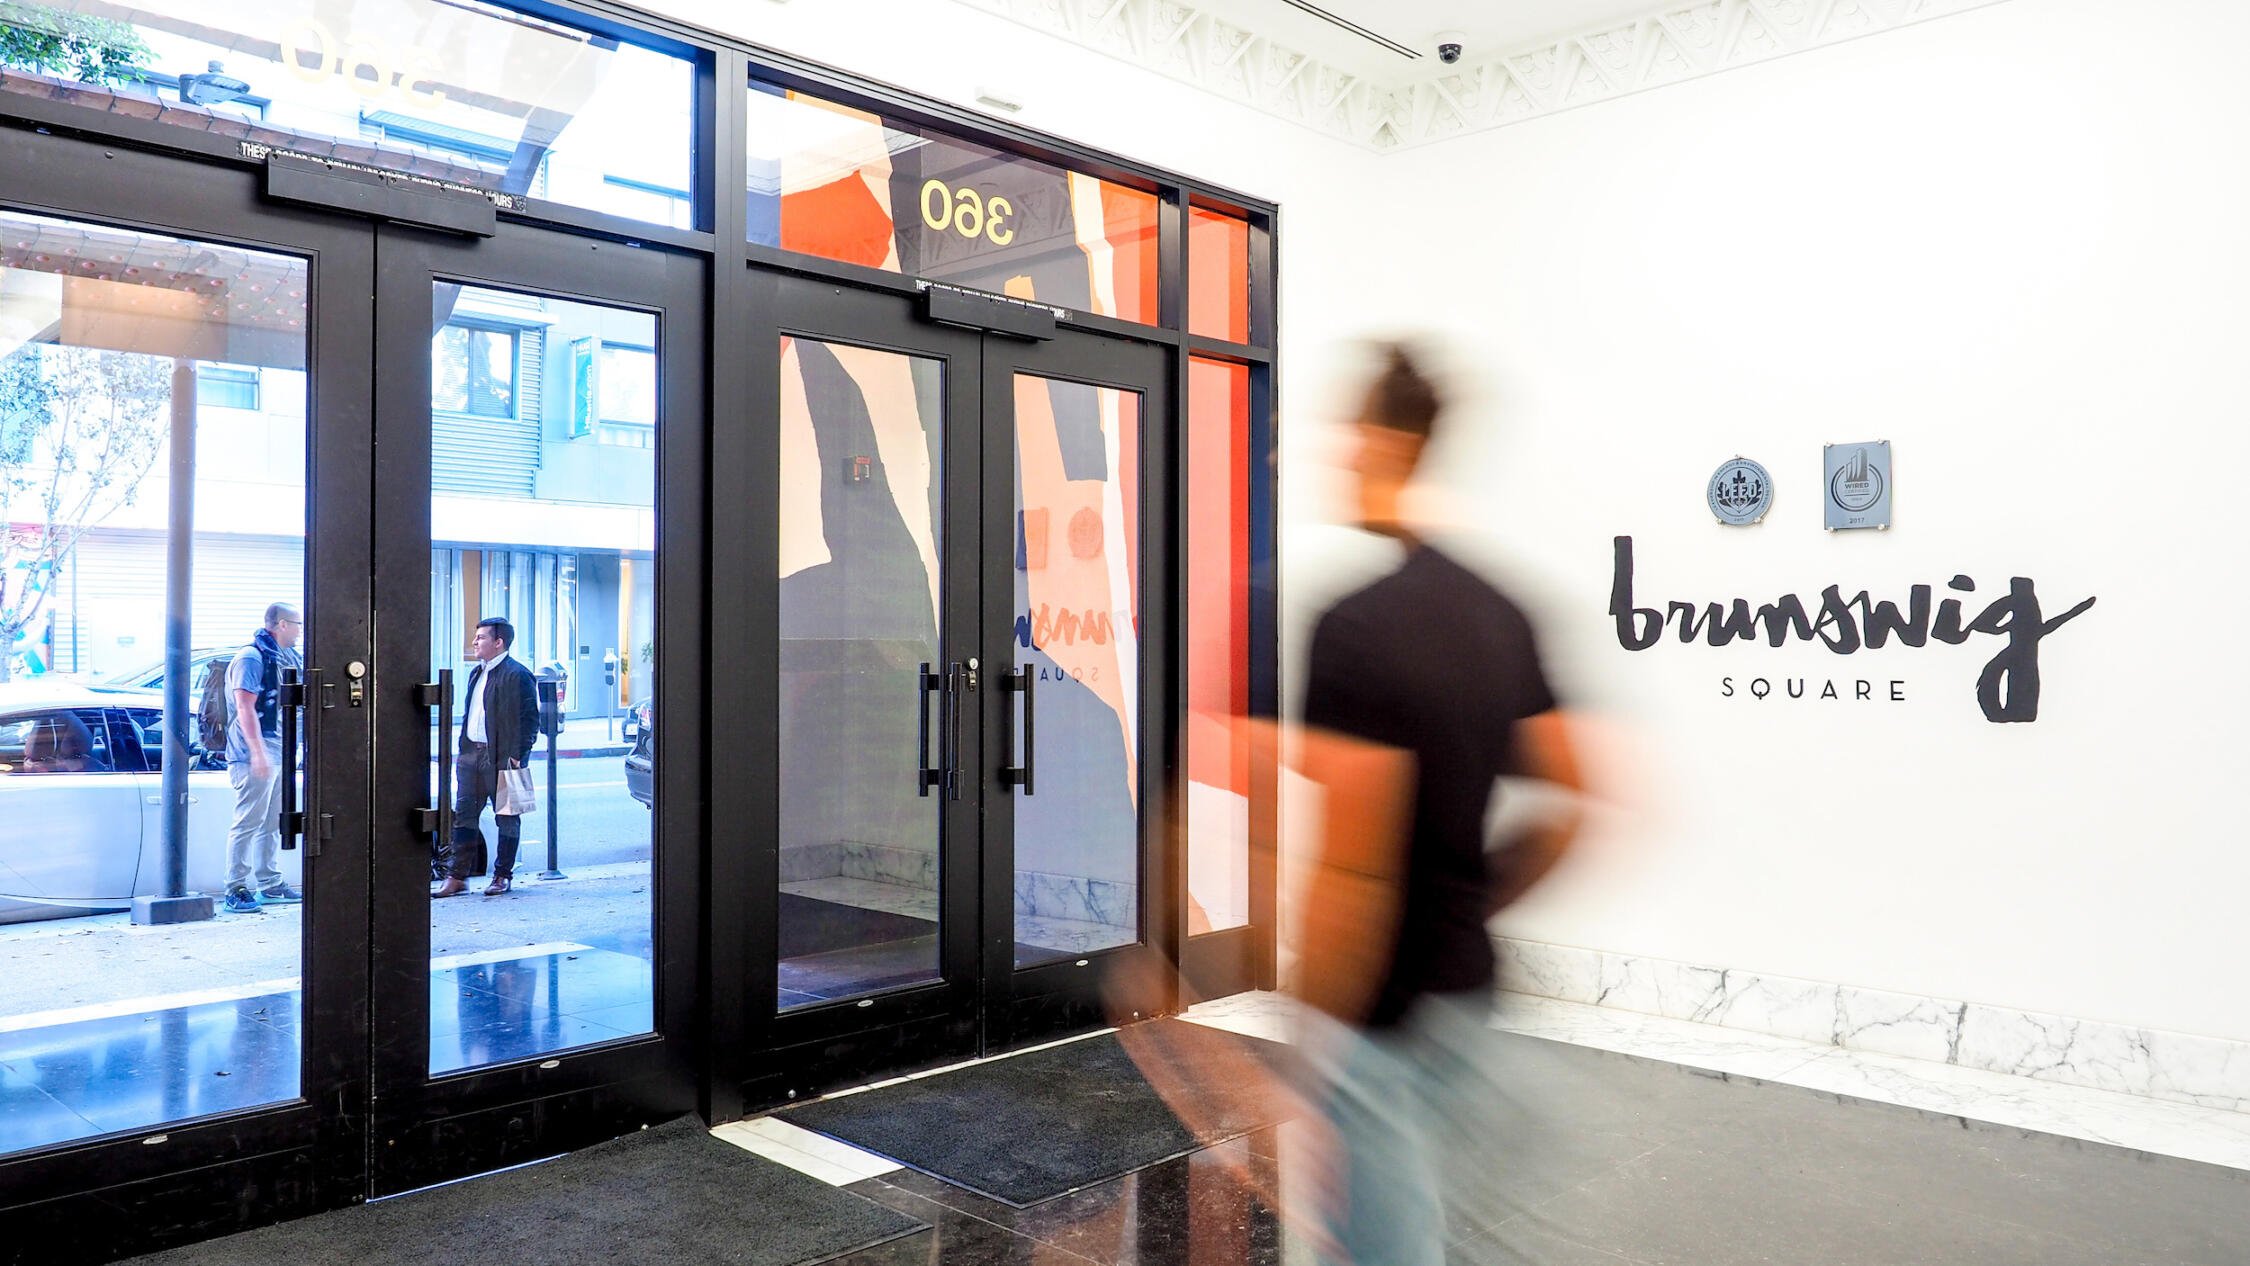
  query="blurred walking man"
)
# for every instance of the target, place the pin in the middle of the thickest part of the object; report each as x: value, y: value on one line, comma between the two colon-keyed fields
x: 1423, y: 689
x: 254, y: 762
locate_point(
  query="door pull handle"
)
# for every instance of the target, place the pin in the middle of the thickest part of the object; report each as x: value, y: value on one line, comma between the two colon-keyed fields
x: 956, y: 708
x: 928, y: 775
x: 437, y: 820
x: 292, y: 700
x: 1019, y: 681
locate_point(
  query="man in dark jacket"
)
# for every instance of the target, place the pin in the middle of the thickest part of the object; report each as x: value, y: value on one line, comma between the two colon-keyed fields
x: 499, y: 723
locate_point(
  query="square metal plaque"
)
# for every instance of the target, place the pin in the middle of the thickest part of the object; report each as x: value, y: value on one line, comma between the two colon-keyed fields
x: 1855, y: 486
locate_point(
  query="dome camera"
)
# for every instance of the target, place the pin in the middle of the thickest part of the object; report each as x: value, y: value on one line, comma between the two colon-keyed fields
x: 1449, y: 46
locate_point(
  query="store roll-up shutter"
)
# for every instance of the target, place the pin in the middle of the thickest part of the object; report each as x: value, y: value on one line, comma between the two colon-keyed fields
x: 120, y: 592
x: 495, y: 457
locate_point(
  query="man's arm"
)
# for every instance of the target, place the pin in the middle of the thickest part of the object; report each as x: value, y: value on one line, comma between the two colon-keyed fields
x: 1543, y: 751
x: 527, y: 714
x: 1356, y: 894
x: 246, y: 719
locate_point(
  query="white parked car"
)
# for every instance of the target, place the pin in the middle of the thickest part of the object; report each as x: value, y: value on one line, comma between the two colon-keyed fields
x: 150, y: 676
x: 81, y: 804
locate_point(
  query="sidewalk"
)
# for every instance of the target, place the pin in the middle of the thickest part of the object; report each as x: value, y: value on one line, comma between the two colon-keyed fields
x: 64, y: 970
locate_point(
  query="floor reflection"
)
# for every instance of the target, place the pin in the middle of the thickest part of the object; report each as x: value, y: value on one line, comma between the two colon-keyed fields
x: 491, y: 1010
x: 102, y: 1074
x: 87, y: 1077
x: 1202, y: 1209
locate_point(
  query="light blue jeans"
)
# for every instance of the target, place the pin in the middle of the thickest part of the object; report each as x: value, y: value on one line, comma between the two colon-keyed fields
x: 1415, y: 1110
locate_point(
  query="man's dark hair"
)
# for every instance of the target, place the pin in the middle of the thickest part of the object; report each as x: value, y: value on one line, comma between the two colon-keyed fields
x: 1402, y: 397
x: 501, y: 629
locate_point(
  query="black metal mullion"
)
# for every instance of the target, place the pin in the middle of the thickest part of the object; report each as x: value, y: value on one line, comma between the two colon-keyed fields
x: 1265, y: 655
x: 1234, y: 353
x: 717, y: 163
x: 1264, y: 266
x: 741, y: 618
x: 1118, y: 328
x: 1170, y: 480
x: 615, y: 228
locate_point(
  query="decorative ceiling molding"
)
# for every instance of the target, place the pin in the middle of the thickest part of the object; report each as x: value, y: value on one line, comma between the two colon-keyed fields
x: 1682, y: 40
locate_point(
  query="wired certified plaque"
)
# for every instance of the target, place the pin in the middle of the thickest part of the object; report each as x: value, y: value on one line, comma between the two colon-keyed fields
x: 1856, y: 485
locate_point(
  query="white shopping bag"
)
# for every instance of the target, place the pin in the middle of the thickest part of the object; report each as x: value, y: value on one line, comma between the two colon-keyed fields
x: 515, y: 796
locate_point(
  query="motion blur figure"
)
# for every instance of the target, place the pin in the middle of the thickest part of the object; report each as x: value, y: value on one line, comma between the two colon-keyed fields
x: 1424, y: 688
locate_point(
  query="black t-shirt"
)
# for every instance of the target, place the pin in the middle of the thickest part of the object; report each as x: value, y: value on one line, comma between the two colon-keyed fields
x: 1433, y: 660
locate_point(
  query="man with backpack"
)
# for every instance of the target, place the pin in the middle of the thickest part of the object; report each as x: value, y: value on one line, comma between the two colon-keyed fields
x: 254, y: 762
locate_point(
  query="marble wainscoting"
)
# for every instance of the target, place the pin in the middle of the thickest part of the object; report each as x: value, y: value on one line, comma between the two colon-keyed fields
x: 1075, y: 897
x: 2211, y: 1135
x: 2203, y: 1071
x: 888, y: 864
x: 801, y: 862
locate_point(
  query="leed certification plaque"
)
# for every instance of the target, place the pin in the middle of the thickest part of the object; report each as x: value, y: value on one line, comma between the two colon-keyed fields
x: 1856, y: 485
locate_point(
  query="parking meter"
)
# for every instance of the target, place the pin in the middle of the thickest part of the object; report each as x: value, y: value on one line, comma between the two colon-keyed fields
x: 609, y: 692
x: 550, y: 701
x: 553, y: 679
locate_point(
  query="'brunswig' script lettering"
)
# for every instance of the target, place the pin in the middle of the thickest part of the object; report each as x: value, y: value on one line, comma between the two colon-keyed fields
x: 2007, y: 689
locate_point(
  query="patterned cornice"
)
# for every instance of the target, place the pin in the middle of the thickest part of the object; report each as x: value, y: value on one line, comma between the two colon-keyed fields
x: 1676, y: 42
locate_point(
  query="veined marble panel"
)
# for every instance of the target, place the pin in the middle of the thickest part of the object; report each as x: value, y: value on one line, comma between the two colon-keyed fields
x: 2208, y: 1072
x: 1075, y: 897
x: 889, y: 864
x: 2166, y: 1128
x: 1070, y: 936
x: 1272, y: 1016
x: 2214, y: 1136
x: 811, y: 861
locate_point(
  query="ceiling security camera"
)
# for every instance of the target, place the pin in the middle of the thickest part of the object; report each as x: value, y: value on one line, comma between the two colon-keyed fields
x: 1449, y: 46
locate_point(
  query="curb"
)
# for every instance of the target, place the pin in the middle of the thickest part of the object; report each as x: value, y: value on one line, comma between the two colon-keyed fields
x: 581, y: 753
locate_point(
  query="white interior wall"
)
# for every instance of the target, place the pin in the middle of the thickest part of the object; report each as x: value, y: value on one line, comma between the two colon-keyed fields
x: 2012, y: 243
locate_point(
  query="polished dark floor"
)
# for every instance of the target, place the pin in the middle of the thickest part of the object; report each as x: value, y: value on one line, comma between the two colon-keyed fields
x: 1615, y: 1160
x: 85, y: 1078
x: 1203, y: 1209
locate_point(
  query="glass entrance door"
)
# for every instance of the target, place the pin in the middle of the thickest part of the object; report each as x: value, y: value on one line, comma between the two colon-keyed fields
x: 871, y: 930
x: 1078, y: 616
x: 925, y: 578
x: 184, y: 463
x: 535, y: 943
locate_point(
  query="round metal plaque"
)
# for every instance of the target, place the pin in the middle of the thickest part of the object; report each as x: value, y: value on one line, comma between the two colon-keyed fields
x: 1740, y: 493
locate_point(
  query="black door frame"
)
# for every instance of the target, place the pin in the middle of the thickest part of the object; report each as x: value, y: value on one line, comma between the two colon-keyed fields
x: 1049, y: 999
x: 984, y: 1003
x: 426, y: 1129
x: 175, y: 1182
x: 179, y: 180
x: 929, y: 1023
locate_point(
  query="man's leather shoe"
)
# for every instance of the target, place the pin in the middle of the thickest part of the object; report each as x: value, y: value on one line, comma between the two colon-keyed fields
x: 452, y: 887
x: 496, y: 887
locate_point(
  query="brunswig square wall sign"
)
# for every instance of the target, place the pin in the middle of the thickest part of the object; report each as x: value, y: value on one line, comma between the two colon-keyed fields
x: 1856, y: 485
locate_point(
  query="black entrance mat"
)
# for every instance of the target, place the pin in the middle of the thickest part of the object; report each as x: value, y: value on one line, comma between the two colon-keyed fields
x: 1032, y: 1127
x: 666, y: 1195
